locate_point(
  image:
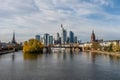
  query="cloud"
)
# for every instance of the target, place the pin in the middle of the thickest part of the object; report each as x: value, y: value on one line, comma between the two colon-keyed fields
x: 31, y: 17
x: 103, y: 2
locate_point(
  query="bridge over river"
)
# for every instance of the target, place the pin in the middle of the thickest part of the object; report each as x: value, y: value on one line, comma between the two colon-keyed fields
x: 68, y: 46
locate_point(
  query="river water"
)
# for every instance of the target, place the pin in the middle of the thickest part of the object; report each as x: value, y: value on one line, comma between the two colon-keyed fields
x: 59, y: 66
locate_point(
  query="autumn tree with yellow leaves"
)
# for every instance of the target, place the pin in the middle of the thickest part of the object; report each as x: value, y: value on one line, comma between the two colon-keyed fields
x: 32, y: 46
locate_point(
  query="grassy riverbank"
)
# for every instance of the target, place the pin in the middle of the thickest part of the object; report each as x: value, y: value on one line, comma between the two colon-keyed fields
x: 116, y: 54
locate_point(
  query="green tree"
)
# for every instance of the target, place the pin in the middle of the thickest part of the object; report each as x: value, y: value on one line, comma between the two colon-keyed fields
x: 110, y: 47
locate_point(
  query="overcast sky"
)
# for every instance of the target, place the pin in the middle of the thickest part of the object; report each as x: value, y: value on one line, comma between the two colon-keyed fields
x: 30, y: 17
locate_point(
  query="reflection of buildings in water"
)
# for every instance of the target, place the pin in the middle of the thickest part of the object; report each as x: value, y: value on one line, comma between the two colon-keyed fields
x: 47, y: 54
x: 93, y: 57
x: 87, y: 55
x: 13, y: 56
x: 71, y: 56
x: 31, y: 56
x: 57, y: 50
x: 114, y: 59
x: 64, y: 55
x: 68, y: 55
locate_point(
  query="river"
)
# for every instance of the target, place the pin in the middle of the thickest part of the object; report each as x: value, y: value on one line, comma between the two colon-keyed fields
x: 59, y: 66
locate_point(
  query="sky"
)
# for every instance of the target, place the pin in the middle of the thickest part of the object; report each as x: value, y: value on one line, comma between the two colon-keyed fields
x: 30, y: 17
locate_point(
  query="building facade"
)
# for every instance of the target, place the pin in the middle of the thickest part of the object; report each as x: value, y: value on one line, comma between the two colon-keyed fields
x: 46, y: 39
x: 75, y: 39
x: 63, y: 35
x: 93, y: 36
x: 37, y: 37
x: 50, y: 40
x: 57, y: 38
x: 71, y: 37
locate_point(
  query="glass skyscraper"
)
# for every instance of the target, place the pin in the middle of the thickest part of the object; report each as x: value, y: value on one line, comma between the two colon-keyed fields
x: 71, y: 37
x: 75, y: 39
x: 37, y: 37
x: 46, y: 39
x: 50, y: 39
x: 63, y: 35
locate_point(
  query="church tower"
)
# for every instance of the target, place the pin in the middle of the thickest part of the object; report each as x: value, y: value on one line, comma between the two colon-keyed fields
x: 93, y: 36
x: 13, y: 40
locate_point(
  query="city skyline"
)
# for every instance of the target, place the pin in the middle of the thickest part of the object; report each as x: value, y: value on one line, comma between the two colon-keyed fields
x: 31, y: 17
x: 63, y: 37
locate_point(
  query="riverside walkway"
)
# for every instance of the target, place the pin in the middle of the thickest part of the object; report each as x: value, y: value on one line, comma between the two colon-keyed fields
x: 6, y: 51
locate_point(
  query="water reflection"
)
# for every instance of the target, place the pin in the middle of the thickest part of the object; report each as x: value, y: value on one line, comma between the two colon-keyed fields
x: 64, y: 55
x: 71, y: 56
x: 105, y: 57
x: 93, y: 57
x: 58, y: 66
x: 31, y: 56
x: 13, y: 56
x: 114, y: 59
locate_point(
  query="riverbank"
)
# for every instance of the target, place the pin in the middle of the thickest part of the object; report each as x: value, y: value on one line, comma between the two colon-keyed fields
x: 6, y: 52
x: 116, y: 54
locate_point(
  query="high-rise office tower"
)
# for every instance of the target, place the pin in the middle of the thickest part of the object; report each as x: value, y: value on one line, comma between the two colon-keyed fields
x: 63, y: 35
x: 37, y: 37
x: 71, y: 37
x: 56, y: 38
x: 46, y: 39
x: 50, y: 39
x: 75, y: 39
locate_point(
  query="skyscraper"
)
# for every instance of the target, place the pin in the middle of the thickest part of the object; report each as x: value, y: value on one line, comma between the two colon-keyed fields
x: 50, y: 39
x: 37, y: 37
x: 63, y: 35
x: 68, y: 40
x: 56, y: 38
x: 71, y: 37
x: 75, y: 39
x: 46, y: 39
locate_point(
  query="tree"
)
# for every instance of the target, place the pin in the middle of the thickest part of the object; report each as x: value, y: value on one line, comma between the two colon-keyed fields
x: 33, y: 46
x: 110, y: 47
x: 116, y: 47
x: 95, y: 45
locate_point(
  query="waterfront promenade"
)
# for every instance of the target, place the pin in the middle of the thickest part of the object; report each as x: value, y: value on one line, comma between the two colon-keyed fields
x: 6, y: 51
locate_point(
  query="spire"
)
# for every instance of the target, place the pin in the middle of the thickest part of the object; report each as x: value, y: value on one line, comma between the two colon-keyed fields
x: 13, y: 40
x: 92, y: 36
